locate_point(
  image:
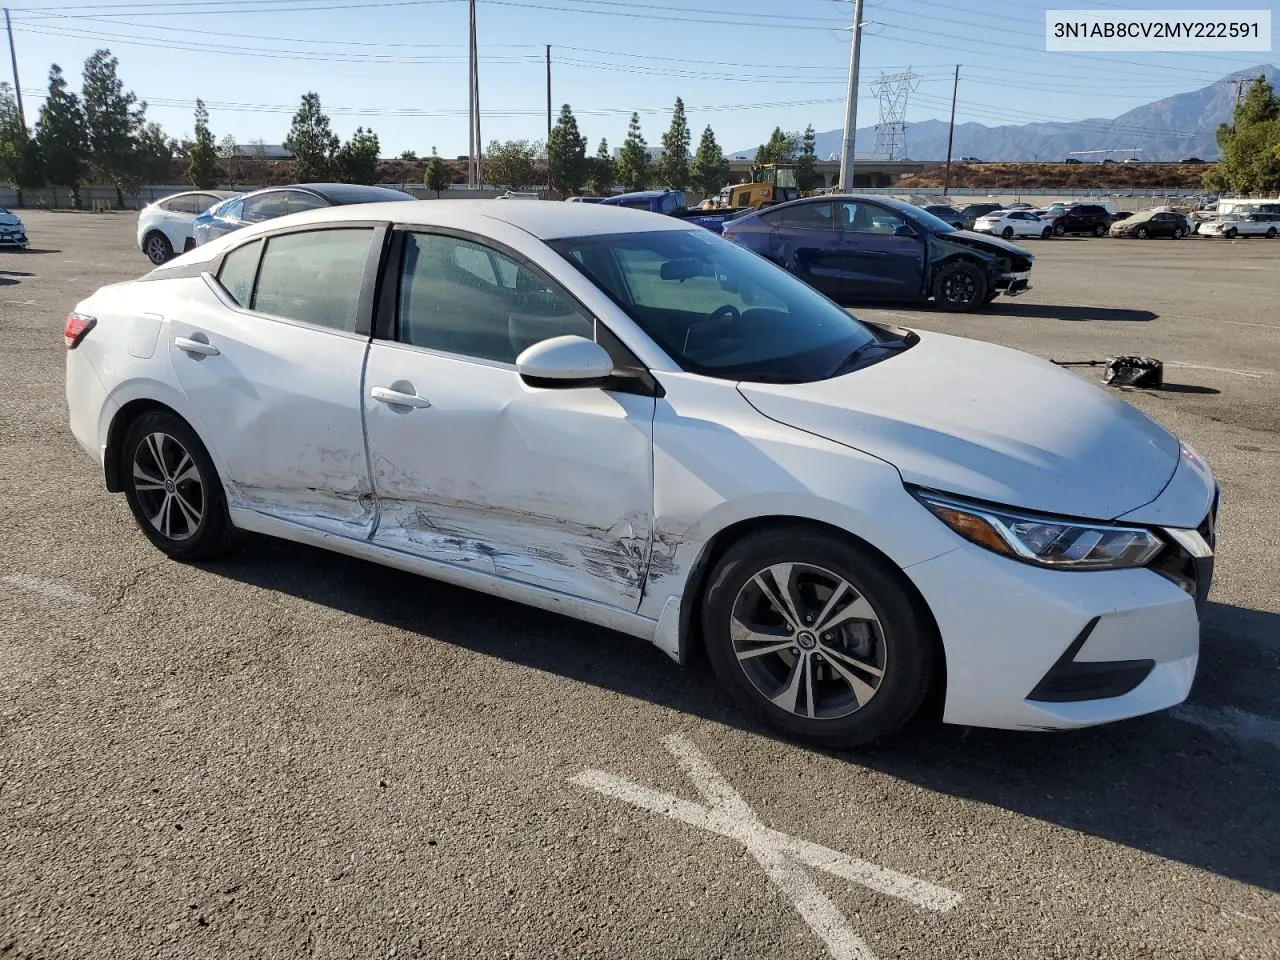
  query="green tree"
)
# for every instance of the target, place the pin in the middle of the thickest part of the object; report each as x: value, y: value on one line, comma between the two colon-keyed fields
x: 19, y: 153
x: 710, y: 170
x: 357, y: 160
x: 633, y: 163
x: 112, y: 121
x: 566, y: 154
x: 60, y: 134
x: 512, y: 164
x: 310, y: 141
x: 673, y: 165
x: 780, y: 148
x: 1250, y: 145
x: 436, y: 176
x: 600, y: 170
x: 408, y: 155
x: 202, y: 159
x: 806, y: 163
x: 153, y: 157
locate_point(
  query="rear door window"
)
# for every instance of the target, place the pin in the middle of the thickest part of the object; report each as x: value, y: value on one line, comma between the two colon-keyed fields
x: 267, y: 206
x: 239, y: 267
x: 314, y: 276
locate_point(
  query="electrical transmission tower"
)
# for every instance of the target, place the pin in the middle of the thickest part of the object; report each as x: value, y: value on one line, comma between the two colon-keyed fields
x: 893, y: 90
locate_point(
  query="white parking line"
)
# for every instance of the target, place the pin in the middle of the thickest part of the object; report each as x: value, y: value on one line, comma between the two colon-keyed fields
x: 1229, y: 722
x: 782, y: 857
x: 52, y: 589
x: 1252, y: 374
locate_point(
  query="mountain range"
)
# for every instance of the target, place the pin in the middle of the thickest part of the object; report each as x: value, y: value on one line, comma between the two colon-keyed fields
x: 1170, y: 129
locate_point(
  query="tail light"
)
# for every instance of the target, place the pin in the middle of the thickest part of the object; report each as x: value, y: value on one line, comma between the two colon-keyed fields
x: 78, y: 324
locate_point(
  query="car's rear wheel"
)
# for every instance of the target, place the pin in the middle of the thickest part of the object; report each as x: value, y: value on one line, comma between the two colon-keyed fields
x: 157, y: 247
x: 1046, y: 233
x: 958, y: 225
x: 1007, y: 233
x: 960, y: 287
x: 1059, y: 230
x: 1271, y: 233
x: 173, y: 489
x: 1141, y: 233
x: 1231, y: 233
x: 1178, y: 233
x: 1099, y: 231
x: 817, y: 637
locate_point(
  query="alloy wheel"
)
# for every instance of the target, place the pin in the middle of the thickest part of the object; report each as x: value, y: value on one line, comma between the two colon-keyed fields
x: 157, y: 249
x: 168, y: 485
x: 808, y: 641
x: 959, y: 287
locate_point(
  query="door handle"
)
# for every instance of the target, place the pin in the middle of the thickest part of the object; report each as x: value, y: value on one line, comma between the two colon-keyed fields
x: 201, y: 347
x: 398, y: 399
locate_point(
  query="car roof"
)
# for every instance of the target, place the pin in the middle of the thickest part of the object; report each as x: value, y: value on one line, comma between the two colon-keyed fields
x: 550, y: 220
x: 641, y: 195
x: 340, y: 193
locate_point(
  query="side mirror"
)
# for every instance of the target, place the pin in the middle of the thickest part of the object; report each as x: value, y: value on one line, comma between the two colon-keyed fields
x: 565, y: 362
x: 902, y: 230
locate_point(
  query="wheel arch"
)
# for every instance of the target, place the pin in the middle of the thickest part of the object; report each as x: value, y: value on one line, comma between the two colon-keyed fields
x: 691, y: 641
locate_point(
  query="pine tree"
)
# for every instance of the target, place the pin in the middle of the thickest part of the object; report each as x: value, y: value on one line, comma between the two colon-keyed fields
x: 310, y: 141
x: 566, y: 154
x: 202, y: 160
x: 19, y: 153
x: 673, y: 165
x: 60, y: 134
x: 806, y: 165
x: 112, y: 121
x: 633, y: 163
x: 710, y: 170
x: 600, y: 171
x: 356, y: 161
x: 436, y: 176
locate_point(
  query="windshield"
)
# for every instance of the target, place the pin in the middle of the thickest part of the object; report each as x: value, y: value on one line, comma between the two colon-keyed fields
x: 717, y: 309
x: 921, y: 218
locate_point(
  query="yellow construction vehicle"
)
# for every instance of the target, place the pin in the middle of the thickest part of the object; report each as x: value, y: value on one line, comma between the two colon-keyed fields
x: 777, y: 184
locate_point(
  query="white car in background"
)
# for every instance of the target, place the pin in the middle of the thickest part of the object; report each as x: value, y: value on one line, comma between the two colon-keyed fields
x: 1242, y: 225
x: 12, y: 231
x: 1013, y: 223
x: 164, y: 227
x: 624, y: 418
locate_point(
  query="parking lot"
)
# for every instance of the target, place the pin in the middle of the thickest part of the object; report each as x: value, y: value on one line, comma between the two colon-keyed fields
x: 292, y: 753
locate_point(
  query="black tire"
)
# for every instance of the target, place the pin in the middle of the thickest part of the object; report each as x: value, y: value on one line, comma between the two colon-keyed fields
x: 158, y: 478
x: 1271, y: 233
x: 1231, y: 233
x: 990, y: 296
x: 1007, y: 233
x: 1178, y: 233
x: 903, y: 641
x: 1059, y: 230
x: 960, y: 287
x: 1141, y: 233
x: 958, y: 225
x: 157, y: 247
x: 1099, y: 231
x: 1046, y: 233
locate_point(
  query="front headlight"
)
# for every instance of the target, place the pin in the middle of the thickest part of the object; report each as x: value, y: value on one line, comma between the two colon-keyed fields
x: 1047, y: 541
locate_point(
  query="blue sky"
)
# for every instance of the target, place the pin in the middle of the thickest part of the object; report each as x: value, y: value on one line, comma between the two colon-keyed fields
x: 743, y: 66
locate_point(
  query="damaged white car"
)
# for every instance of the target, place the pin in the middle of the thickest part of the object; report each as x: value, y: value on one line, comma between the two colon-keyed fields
x: 631, y: 421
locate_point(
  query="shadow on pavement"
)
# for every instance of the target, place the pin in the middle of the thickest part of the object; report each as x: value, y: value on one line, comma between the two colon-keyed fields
x: 1186, y: 388
x: 1048, y: 311
x: 1156, y: 784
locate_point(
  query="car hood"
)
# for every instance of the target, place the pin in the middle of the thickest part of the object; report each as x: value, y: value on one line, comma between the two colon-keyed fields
x: 983, y: 241
x: 987, y: 422
x: 9, y: 220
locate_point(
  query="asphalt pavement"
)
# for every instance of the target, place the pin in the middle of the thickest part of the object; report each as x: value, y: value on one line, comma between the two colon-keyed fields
x: 290, y: 753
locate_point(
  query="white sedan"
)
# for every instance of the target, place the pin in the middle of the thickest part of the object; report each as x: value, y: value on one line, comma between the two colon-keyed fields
x: 165, y: 227
x: 1013, y: 223
x: 631, y: 421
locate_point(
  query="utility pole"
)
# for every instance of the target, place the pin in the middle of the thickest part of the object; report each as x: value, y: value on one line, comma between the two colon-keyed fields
x: 951, y: 132
x: 475, y: 171
x: 548, y: 93
x: 851, y: 103
x: 13, y: 57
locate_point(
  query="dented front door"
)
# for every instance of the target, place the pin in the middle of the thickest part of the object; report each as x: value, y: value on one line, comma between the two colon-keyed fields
x: 473, y: 467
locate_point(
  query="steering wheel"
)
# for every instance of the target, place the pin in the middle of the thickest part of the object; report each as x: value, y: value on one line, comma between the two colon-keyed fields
x: 728, y: 311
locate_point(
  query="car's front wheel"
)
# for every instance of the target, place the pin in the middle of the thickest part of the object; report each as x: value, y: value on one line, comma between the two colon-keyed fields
x: 1178, y: 233
x: 1271, y: 233
x: 960, y: 287
x: 157, y: 247
x: 173, y: 489
x: 1007, y: 233
x: 1046, y: 233
x: 1059, y: 231
x: 1099, y: 231
x: 817, y: 637
x: 1231, y: 233
x: 1141, y: 233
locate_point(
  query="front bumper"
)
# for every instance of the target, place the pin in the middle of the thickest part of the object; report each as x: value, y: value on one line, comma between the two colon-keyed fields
x: 1012, y: 284
x: 1029, y: 648
x: 18, y: 240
